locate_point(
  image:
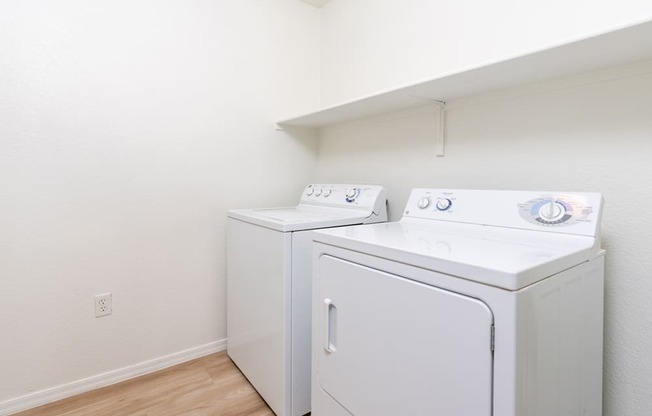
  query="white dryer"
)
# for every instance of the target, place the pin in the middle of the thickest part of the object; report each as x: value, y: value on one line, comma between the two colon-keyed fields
x: 269, y: 286
x: 475, y: 303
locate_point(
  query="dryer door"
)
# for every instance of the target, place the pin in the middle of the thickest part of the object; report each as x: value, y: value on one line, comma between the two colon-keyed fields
x: 390, y: 346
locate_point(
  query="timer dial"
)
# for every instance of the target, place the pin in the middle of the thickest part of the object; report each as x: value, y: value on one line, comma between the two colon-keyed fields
x: 552, y: 211
x: 352, y: 194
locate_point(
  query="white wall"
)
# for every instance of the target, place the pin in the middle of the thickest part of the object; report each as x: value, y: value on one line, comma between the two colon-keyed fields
x: 127, y: 129
x: 374, y: 45
x: 589, y: 133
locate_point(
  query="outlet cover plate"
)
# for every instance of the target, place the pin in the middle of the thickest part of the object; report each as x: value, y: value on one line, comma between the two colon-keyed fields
x: 103, y: 305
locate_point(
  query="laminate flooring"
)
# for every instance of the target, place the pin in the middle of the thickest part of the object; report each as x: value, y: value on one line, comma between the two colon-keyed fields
x: 207, y: 386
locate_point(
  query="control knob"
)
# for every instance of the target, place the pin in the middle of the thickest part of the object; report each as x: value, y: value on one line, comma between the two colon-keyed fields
x: 318, y: 192
x: 443, y: 204
x: 552, y: 210
x: 423, y: 203
x: 351, y: 194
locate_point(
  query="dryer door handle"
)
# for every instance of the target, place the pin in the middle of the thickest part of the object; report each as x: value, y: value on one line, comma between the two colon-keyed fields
x: 330, y: 323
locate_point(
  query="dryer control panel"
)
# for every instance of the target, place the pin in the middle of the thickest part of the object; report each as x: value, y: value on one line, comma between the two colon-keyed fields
x: 556, y: 210
x: 565, y: 212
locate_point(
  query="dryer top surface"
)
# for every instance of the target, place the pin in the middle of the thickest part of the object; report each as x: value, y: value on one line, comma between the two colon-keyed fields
x: 501, y: 257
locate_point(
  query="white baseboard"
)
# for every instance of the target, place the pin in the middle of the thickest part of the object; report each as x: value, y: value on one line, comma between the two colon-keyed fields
x: 42, y: 397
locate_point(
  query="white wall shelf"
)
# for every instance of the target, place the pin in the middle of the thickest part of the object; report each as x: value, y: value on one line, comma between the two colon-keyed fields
x: 618, y: 47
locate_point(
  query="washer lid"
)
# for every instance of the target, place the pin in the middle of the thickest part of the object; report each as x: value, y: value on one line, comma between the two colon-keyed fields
x: 301, y: 217
x: 497, y: 256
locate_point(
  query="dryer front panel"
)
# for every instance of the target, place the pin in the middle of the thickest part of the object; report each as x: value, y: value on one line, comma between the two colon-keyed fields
x: 391, y: 346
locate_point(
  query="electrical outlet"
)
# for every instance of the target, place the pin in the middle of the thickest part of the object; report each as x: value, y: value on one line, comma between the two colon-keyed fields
x: 103, y: 305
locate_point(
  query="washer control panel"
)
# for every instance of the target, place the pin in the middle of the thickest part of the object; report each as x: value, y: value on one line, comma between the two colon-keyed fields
x: 345, y: 195
x: 567, y: 212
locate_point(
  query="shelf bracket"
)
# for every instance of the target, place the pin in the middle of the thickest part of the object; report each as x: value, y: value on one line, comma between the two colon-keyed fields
x: 440, y: 128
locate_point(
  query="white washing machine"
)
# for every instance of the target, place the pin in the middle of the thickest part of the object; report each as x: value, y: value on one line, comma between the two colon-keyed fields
x: 269, y: 253
x: 475, y: 303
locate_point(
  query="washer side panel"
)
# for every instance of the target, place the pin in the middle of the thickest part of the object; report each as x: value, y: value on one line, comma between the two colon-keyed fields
x: 258, y: 308
x: 301, y: 320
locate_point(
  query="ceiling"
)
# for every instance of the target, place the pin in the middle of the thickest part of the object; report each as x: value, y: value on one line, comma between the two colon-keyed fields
x: 316, y: 3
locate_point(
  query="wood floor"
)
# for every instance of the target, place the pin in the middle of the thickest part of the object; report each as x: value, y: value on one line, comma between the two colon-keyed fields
x: 210, y: 385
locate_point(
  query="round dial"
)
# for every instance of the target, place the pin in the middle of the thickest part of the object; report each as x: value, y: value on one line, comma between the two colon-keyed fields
x: 318, y: 192
x: 443, y: 204
x: 327, y: 193
x: 310, y: 192
x: 424, y: 202
x: 352, y: 194
x: 552, y: 211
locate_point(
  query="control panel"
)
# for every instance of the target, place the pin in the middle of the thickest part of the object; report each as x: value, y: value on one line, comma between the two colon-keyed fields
x: 370, y: 197
x: 556, y: 210
x: 568, y: 212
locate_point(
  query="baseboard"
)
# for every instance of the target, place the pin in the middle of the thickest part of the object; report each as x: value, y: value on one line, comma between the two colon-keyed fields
x: 42, y: 397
